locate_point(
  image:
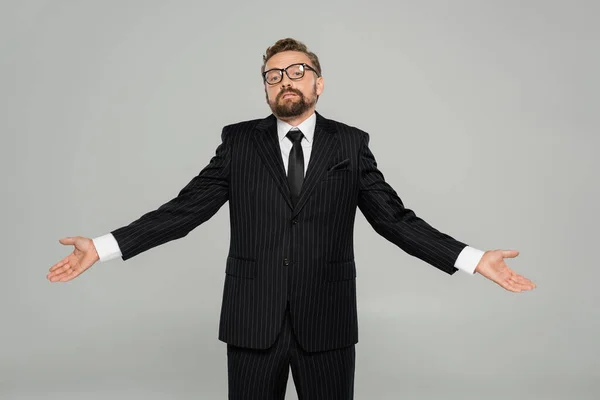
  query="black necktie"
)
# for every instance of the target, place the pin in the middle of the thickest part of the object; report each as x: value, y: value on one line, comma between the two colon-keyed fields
x: 295, y: 165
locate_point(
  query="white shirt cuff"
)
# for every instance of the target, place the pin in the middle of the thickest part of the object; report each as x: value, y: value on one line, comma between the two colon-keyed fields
x: 468, y: 259
x: 107, y: 247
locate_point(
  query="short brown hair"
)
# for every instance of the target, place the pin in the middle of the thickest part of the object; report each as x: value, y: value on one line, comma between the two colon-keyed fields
x: 289, y: 44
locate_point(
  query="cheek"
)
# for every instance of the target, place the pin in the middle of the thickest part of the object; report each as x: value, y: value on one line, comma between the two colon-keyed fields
x: 309, y: 90
x: 272, y: 94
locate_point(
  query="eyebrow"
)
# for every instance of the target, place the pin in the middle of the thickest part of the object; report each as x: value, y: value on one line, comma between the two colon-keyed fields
x: 298, y: 62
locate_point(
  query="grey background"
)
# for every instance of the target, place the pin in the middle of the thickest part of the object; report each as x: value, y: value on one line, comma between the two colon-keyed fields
x: 483, y: 116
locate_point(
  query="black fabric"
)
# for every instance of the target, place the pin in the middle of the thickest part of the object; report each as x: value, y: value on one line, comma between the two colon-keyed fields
x: 263, y: 374
x: 281, y: 251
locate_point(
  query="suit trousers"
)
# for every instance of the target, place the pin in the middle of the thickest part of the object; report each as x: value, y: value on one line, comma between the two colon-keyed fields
x: 255, y: 374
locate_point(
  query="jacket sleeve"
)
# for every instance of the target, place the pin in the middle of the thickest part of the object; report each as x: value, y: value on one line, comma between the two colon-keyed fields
x: 199, y: 200
x: 386, y: 213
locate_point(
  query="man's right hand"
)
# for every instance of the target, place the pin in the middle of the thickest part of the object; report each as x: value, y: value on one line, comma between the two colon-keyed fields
x: 83, y: 256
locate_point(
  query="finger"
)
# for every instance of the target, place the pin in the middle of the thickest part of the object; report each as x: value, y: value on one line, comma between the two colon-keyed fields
x: 519, y: 286
x: 72, y: 274
x: 61, y: 269
x: 59, y: 264
x: 503, y: 282
x: 510, y: 283
x: 512, y: 287
x: 59, y: 277
x: 506, y: 285
x: 56, y: 275
x: 524, y: 281
x: 528, y: 286
x: 510, y: 253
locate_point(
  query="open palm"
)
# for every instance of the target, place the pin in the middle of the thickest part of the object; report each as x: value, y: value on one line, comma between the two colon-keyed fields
x: 83, y: 256
x: 493, y: 267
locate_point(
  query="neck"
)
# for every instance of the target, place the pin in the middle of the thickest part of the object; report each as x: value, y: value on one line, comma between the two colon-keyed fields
x: 295, y: 121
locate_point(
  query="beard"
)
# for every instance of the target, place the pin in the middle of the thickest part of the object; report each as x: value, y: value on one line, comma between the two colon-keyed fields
x: 287, y: 108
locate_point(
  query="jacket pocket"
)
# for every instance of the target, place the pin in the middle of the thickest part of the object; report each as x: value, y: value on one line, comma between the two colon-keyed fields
x: 336, y: 174
x: 340, y: 271
x: 339, y: 166
x: 241, y: 267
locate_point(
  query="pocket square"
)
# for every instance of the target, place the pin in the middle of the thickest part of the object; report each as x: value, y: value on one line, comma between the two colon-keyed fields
x: 339, y: 166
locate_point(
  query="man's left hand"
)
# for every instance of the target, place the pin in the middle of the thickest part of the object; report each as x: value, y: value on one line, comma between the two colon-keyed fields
x: 493, y: 267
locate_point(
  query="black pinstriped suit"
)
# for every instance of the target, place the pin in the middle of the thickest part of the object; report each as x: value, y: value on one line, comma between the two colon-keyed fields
x: 280, y: 255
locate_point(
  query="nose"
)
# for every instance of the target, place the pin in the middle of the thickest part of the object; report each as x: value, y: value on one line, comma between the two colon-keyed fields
x: 286, y: 81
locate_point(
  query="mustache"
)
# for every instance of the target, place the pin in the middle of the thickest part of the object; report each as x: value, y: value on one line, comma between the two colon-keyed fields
x: 284, y: 92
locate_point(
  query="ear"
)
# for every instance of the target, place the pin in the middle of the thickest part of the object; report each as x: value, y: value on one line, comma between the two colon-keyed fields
x: 320, y: 85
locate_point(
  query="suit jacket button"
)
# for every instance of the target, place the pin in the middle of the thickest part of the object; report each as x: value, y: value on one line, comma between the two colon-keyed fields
x: 294, y: 221
x: 286, y: 261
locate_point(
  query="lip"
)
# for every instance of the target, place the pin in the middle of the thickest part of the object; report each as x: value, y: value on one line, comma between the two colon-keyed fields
x: 288, y: 94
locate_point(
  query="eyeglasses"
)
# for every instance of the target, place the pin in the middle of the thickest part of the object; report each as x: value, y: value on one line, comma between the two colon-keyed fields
x: 294, y: 72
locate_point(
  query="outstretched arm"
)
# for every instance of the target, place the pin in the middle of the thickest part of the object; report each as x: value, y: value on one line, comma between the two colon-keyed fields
x: 199, y: 200
x: 386, y: 213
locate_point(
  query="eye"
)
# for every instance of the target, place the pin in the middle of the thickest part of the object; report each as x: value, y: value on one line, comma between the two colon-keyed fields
x: 272, y: 77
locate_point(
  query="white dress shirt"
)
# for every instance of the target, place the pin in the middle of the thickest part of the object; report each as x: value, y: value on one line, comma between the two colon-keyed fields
x: 108, y: 248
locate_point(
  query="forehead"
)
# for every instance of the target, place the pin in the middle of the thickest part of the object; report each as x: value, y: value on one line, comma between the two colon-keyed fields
x: 285, y: 58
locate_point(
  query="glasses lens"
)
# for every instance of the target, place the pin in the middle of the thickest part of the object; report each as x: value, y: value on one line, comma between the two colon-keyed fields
x: 273, y: 76
x: 295, y: 71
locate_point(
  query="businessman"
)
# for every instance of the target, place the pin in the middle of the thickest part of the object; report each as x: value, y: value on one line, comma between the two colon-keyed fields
x: 293, y: 181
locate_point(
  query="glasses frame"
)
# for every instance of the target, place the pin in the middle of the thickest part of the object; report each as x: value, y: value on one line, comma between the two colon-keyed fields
x: 282, y: 70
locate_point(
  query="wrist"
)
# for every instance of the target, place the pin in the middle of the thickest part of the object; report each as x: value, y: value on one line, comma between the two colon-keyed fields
x: 94, y: 251
x: 480, y: 263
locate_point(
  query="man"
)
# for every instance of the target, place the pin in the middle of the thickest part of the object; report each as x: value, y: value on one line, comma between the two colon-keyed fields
x: 293, y: 181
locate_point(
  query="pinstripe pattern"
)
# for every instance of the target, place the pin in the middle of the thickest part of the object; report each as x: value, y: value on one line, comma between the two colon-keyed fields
x: 262, y: 374
x: 279, y: 253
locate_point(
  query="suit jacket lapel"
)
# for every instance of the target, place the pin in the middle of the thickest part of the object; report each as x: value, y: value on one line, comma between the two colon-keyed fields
x: 325, y: 145
x: 267, y: 145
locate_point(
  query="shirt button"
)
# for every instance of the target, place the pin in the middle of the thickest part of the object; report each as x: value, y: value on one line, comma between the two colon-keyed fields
x: 286, y: 261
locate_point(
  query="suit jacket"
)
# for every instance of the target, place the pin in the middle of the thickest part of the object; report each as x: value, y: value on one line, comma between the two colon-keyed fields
x: 279, y: 253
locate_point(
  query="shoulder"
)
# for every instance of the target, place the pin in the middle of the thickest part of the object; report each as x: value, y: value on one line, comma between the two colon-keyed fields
x: 243, y: 125
x: 347, y: 130
x: 242, y: 128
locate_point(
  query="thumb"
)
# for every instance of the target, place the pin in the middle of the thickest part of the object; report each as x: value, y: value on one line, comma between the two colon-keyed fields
x: 509, y: 253
x: 67, y: 240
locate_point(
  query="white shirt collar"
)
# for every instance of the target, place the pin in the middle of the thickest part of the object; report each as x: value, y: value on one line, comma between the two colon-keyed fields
x: 307, y: 127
